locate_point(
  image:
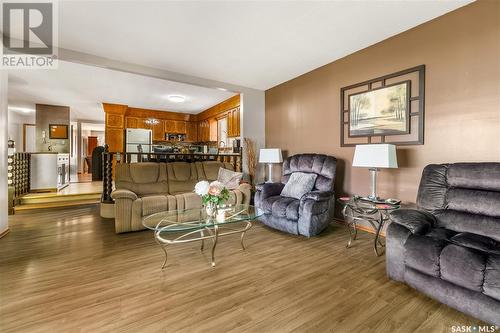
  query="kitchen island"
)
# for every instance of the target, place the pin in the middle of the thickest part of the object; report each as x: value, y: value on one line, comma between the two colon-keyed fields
x: 49, y: 171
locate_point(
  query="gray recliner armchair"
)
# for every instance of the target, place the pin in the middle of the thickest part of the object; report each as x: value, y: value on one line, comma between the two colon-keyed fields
x: 449, y: 248
x: 314, y: 211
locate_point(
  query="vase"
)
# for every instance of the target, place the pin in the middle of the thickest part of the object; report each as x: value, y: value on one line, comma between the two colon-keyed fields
x: 211, y: 209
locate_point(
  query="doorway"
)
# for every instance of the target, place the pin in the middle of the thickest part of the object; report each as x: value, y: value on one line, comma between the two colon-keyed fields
x: 29, y: 138
x: 92, y: 136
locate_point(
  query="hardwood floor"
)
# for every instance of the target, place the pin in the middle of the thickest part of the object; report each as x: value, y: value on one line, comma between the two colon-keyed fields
x: 66, y: 270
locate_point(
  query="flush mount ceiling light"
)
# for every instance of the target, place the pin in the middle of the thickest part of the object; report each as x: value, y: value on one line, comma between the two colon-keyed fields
x: 18, y: 109
x: 176, y: 98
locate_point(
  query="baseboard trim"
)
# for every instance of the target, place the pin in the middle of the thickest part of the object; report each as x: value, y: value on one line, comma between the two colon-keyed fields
x: 5, y: 232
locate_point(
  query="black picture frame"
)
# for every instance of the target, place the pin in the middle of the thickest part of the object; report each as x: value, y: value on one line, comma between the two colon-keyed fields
x: 416, y: 116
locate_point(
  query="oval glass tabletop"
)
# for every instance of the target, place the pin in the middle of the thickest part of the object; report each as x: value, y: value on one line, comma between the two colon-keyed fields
x: 192, y: 219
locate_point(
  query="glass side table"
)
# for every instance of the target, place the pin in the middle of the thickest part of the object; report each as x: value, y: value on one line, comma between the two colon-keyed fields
x: 361, y: 209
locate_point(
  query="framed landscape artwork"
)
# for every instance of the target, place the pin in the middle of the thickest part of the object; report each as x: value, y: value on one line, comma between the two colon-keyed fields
x: 380, y: 111
x: 385, y: 109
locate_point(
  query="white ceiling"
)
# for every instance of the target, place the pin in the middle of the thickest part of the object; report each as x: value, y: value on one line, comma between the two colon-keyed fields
x: 83, y: 88
x: 256, y: 44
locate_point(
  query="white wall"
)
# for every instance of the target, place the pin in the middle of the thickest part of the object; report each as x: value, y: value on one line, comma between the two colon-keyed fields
x: 4, y: 222
x: 253, y: 124
x: 16, y: 121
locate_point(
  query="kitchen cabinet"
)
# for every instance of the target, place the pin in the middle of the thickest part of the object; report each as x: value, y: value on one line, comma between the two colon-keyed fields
x: 233, y: 122
x: 144, y: 123
x: 169, y: 126
x: 207, y: 130
x: 131, y: 122
x: 162, y: 127
x: 175, y: 126
x: 191, y: 131
x: 180, y: 127
x: 136, y: 122
x: 158, y: 131
x: 204, y: 130
x: 114, y: 120
x: 213, y: 135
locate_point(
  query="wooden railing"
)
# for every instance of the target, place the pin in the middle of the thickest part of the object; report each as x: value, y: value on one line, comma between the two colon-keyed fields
x: 111, y: 158
x: 19, y: 173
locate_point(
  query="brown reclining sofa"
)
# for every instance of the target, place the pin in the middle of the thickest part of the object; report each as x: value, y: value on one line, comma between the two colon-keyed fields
x: 143, y: 189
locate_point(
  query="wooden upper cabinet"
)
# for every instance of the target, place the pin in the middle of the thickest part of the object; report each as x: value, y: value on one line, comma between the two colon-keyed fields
x: 114, y: 120
x: 230, y: 123
x: 237, y: 122
x: 204, y: 130
x: 175, y: 126
x: 131, y: 122
x: 180, y: 126
x: 169, y: 126
x: 213, y: 133
x: 158, y: 131
x: 233, y: 122
x: 144, y: 123
x: 191, y: 131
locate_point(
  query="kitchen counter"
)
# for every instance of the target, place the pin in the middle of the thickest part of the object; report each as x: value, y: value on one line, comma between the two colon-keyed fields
x: 224, y: 154
x: 49, y: 171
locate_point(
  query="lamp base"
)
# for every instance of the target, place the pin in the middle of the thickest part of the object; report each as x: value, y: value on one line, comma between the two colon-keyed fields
x: 270, y: 175
x: 373, y: 177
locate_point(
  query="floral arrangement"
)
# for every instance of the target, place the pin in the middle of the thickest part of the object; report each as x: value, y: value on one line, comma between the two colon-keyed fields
x: 212, y: 194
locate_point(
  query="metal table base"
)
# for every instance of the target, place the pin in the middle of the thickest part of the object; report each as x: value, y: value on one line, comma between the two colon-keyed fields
x: 214, y: 231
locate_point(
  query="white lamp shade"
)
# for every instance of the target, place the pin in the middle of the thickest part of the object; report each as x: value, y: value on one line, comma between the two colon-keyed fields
x: 270, y: 155
x: 375, y: 156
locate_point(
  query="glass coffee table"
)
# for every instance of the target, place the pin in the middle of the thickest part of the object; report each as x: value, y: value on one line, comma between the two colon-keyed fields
x: 194, y: 225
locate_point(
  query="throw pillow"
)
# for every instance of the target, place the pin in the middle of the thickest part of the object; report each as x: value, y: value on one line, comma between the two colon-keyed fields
x: 299, y: 184
x: 230, y: 179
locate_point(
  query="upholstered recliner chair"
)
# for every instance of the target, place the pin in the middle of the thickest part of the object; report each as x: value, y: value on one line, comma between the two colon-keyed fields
x: 449, y: 248
x: 313, y: 212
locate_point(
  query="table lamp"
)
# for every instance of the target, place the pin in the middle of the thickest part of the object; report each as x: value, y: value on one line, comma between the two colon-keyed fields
x: 374, y: 157
x: 270, y: 156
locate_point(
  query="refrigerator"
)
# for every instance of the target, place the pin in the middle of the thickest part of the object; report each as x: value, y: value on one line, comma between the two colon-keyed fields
x: 135, y: 137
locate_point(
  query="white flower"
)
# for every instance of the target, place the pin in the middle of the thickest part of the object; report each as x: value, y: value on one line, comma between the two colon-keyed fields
x: 201, y: 188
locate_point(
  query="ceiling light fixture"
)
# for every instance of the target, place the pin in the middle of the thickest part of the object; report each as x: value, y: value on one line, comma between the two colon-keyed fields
x: 176, y: 98
x: 23, y: 110
x: 152, y: 121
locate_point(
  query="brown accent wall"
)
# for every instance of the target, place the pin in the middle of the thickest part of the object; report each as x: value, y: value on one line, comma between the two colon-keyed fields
x: 461, y: 51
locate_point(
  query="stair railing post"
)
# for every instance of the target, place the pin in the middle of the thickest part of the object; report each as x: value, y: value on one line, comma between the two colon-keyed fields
x: 107, y: 175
